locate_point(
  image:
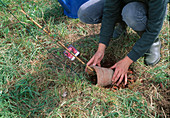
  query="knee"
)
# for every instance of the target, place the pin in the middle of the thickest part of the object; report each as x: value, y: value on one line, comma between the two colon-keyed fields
x: 83, y: 15
x: 134, y: 14
x: 88, y: 14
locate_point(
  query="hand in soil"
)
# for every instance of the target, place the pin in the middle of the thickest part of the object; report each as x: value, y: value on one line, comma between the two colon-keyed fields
x: 121, y: 70
x: 98, y: 56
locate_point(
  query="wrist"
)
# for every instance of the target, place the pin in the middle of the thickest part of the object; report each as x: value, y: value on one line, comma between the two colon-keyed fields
x: 101, y: 47
x: 128, y: 60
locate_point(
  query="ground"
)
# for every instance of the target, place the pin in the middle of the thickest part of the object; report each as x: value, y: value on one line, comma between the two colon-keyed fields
x: 37, y: 80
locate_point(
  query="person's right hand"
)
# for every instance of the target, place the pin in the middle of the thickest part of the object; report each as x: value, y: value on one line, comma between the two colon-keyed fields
x: 97, y: 57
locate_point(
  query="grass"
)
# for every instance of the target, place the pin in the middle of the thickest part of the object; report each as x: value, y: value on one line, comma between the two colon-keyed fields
x: 37, y: 80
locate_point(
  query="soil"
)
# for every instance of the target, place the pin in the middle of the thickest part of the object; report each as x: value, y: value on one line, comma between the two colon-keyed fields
x: 93, y: 79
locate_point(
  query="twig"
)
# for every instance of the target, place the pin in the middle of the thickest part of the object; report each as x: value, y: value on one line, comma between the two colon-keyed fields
x: 59, y: 42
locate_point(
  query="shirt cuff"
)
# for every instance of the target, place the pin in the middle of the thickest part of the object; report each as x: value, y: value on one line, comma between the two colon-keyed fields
x: 104, y: 40
x: 133, y: 55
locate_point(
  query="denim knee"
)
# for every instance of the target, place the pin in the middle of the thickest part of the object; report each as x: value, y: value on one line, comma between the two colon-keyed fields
x: 84, y: 15
x: 91, y: 12
x: 134, y: 15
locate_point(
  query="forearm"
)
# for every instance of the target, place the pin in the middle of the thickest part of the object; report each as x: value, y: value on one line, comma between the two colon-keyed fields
x: 156, y: 14
x: 111, y: 13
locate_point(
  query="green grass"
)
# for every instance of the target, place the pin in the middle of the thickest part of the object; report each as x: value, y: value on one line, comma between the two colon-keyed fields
x: 37, y: 80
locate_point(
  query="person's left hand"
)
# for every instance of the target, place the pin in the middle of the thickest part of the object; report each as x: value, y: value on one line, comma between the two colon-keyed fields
x: 121, y: 69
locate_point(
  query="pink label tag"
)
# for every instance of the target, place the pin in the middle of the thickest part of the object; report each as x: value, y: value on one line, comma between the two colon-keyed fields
x: 73, y: 50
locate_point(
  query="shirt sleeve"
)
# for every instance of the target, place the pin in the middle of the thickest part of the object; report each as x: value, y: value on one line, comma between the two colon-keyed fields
x: 156, y: 14
x: 112, y: 9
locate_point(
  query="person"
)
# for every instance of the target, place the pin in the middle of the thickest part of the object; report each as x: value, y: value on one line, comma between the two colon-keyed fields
x: 143, y: 16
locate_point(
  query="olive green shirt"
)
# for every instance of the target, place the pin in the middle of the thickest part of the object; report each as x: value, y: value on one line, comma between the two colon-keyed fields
x: 155, y: 17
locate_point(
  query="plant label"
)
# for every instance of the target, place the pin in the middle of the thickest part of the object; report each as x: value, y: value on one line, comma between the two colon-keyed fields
x: 73, y: 50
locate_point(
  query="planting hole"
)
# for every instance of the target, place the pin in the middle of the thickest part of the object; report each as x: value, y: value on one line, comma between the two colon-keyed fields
x: 93, y: 79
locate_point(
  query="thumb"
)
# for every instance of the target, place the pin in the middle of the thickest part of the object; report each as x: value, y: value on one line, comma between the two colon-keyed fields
x: 114, y: 66
x: 95, y: 61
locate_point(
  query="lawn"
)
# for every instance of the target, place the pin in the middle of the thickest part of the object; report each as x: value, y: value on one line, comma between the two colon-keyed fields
x: 38, y: 80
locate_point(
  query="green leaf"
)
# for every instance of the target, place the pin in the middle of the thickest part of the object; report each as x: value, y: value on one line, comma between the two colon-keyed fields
x: 58, y: 53
x: 6, y: 30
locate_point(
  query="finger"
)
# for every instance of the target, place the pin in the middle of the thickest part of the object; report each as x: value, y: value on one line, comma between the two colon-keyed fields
x: 96, y: 61
x: 125, y: 79
x: 120, y: 80
x: 91, y: 61
x: 86, y: 68
x: 99, y: 64
x: 114, y: 75
x: 117, y: 77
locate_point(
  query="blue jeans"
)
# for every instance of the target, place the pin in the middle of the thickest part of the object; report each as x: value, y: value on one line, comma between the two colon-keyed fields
x: 134, y: 14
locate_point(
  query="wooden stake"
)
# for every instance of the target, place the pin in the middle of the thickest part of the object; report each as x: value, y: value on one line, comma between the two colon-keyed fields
x: 59, y: 42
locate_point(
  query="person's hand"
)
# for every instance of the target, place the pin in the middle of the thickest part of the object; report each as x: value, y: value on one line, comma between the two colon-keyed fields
x: 121, y: 69
x: 97, y: 57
